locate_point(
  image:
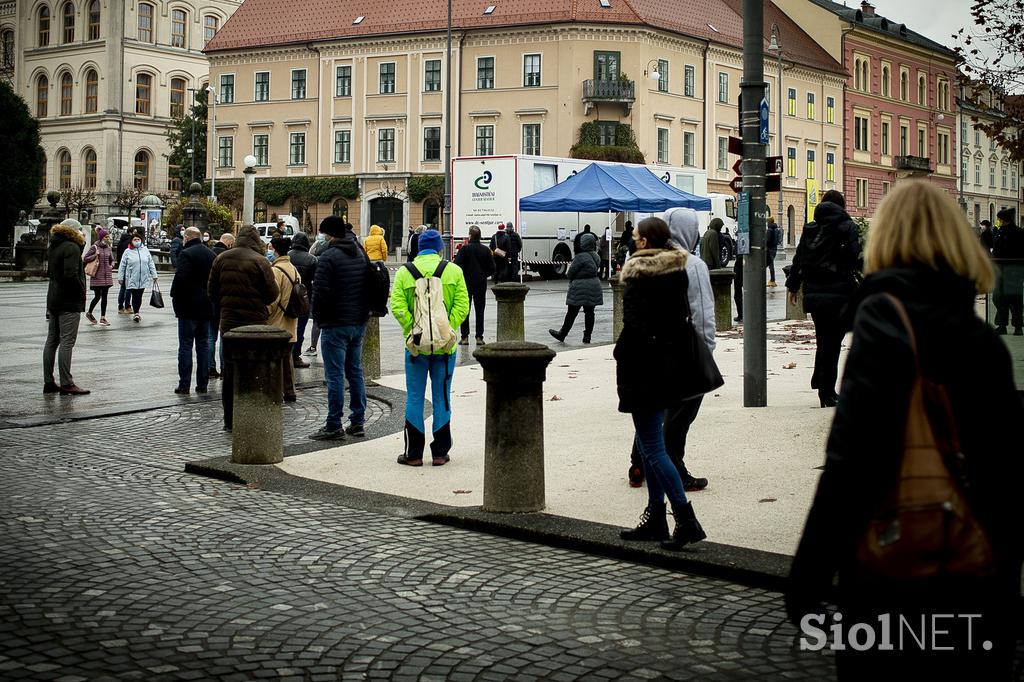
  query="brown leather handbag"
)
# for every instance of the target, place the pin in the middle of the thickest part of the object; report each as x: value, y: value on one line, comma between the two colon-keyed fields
x: 925, y: 527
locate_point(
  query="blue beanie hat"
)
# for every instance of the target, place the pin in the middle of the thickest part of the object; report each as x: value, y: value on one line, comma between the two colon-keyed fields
x: 430, y: 241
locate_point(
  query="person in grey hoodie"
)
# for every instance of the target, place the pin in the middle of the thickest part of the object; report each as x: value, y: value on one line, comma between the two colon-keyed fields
x: 684, y: 227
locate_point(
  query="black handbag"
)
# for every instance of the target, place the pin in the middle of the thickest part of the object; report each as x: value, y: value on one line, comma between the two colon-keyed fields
x: 156, y: 299
x: 700, y: 375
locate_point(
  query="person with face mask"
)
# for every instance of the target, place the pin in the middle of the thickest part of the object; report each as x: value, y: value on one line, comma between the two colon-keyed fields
x: 206, y: 240
x: 102, y: 278
x: 138, y: 272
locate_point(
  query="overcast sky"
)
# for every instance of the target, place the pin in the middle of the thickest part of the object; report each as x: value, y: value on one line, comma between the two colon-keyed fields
x: 936, y: 19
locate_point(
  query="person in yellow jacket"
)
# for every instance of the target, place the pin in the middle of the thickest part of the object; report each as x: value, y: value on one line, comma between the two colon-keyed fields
x: 286, y: 276
x: 438, y: 364
x: 375, y: 245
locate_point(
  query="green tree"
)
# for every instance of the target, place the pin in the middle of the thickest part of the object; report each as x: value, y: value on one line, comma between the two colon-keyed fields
x: 179, y: 136
x: 23, y: 157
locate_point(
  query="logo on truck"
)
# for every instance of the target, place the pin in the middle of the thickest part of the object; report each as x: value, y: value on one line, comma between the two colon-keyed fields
x: 484, y: 180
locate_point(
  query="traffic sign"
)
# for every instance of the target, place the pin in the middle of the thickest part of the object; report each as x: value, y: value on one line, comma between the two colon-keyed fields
x: 737, y: 167
x: 736, y: 185
x: 763, y: 117
x: 735, y: 146
x: 773, y: 165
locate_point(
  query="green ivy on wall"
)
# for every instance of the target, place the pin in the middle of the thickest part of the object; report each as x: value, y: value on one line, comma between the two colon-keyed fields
x: 278, y: 191
x: 624, y: 150
x: 422, y: 187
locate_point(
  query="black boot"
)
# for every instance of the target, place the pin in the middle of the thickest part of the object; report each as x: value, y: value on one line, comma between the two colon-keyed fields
x: 653, y: 524
x: 558, y: 335
x: 687, y: 530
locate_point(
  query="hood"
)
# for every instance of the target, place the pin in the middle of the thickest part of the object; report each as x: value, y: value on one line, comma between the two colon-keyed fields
x: 716, y: 224
x: 1008, y: 216
x: 588, y: 242
x: 653, y: 262
x: 249, y: 238
x: 685, y: 227
x: 376, y: 230
x: 300, y: 242
x: 347, y: 243
x: 59, y: 232
x: 829, y: 213
x: 941, y: 287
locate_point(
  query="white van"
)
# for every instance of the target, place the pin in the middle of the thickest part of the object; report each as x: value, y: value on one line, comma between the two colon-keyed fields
x: 291, y: 228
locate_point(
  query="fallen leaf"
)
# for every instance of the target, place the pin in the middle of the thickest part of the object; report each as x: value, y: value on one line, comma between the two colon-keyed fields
x: 462, y: 492
x: 767, y: 499
x: 553, y: 398
x: 790, y: 365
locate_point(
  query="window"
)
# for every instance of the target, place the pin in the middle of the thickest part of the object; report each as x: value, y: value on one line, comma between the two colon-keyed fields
x: 227, y: 88
x: 860, y: 133
x: 810, y: 164
x: 943, y: 96
x: 857, y: 83
x: 723, y: 87
x: 791, y: 162
x: 89, y: 160
x: 942, y: 149
x: 342, y: 146
x: 830, y: 167
x: 885, y: 187
x: 484, y: 140
x: 44, y: 26
x: 387, y: 78
x: 68, y: 13
x: 531, y: 71
x: 922, y: 142
x: 689, y: 78
x: 688, y: 149
x: 94, y: 20
x: 340, y: 209
x: 862, y: 193
x: 606, y: 66
x: 963, y: 131
x: 791, y: 102
x: 531, y: 138
x: 225, y: 151
x: 662, y: 145
x: 261, y: 149
x: 210, y: 26
x: 485, y: 73
x: 343, y: 81
x: 662, y: 75
x: 922, y: 91
x: 432, y: 144
x: 723, y: 153
x: 885, y: 138
x: 143, y: 94
x: 299, y: 86
x: 92, y: 88
x: 977, y: 174
x: 64, y: 169
x: 173, y: 178
x: 1013, y: 178
x: 141, y: 172
x: 862, y: 74
x: 977, y: 138
x: 885, y: 80
x: 296, y: 149
x: 261, y: 88
x: 830, y: 110
x: 66, y: 94
x: 386, y: 145
x: 904, y: 141
x: 810, y: 106
x: 606, y: 133
x: 432, y: 75
x: 179, y: 22
x: 992, y: 174
x: 177, y: 97
x: 145, y: 22
x: 904, y: 85
x: 42, y: 96
x: 1002, y: 168
x: 992, y: 144
x: 7, y: 42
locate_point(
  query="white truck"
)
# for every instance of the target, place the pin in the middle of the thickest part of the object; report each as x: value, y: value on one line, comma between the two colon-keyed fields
x: 486, y: 191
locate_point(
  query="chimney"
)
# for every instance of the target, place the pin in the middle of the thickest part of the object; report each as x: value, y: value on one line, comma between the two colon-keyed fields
x: 867, y: 8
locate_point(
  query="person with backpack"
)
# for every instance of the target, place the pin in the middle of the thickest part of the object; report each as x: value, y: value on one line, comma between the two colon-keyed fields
x: 284, y: 312
x: 477, y: 265
x: 341, y: 308
x: 825, y: 265
x: 897, y: 547
x: 305, y: 263
x: 430, y: 300
x: 499, y: 247
x: 773, y: 235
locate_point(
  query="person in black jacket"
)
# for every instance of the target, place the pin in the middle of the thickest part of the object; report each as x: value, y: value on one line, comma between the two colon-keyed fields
x: 177, y: 243
x: 647, y: 356
x: 826, y: 260
x: 122, y: 294
x: 65, y: 303
x: 341, y: 307
x: 1008, y: 250
x: 192, y: 307
x: 986, y: 235
x: 922, y: 253
x: 305, y: 263
x: 477, y: 265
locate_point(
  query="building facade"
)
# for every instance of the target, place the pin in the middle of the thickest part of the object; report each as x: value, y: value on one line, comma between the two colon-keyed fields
x: 989, y: 179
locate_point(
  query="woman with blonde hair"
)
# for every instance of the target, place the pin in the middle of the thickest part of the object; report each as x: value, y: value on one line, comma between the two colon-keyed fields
x: 916, y: 320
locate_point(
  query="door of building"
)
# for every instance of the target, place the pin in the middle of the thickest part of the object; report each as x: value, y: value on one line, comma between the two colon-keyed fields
x: 387, y: 212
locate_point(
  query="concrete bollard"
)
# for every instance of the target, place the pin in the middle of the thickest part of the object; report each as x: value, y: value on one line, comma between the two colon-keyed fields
x: 618, y: 287
x: 371, y: 349
x: 794, y: 312
x: 511, y: 316
x: 256, y: 353
x: 514, y: 429
x: 721, y: 284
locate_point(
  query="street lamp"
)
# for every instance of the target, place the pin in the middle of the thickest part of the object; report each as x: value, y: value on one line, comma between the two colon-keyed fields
x: 652, y: 70
x: 213, y: 147
x: 775, y: 45
x: 249, y: 189
x: 192, y: 126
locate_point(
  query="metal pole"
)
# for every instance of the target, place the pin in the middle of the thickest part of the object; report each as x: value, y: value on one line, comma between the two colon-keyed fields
x: 755, y: 354
x: 960, y: 161
x: 446, y: 224
x: 213, y: 147
x: 778, y: 218
x: 192, y: 125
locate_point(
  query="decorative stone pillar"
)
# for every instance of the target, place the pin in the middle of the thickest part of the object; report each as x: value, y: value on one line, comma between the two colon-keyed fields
x: 371, y: 349
x: 618, y: 287
x: 721, y: 285
x: 514, y: 430
x: 511, y: 297
x: 257, y: 353
x: 794, y: 311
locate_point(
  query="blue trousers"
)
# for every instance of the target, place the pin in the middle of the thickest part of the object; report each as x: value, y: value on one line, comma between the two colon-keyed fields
x: 193, y: 333
x: 440, y: 369
x: 342, y: 351
x: 659, y: 471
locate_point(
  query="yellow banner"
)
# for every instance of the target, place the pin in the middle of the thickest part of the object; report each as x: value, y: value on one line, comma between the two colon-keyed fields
x: 812, y: 198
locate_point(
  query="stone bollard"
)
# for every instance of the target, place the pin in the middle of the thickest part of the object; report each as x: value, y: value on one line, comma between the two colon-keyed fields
x: 511, y: 317
x: 721, y: 284
x: 794, y: 312
x: 371, y: 348
x: 514, y: 430
x: 618, y: 287
x: 256, y: 353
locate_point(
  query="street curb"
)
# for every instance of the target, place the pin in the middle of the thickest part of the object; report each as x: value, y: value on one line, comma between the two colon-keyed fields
x: 754, y: 568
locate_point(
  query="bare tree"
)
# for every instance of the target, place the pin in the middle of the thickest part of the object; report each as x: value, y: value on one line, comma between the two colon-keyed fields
x: 74, y: 200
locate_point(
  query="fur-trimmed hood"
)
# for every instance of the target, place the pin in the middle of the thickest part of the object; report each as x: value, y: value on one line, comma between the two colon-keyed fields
x: 69, y: 233
x: 654, y: 262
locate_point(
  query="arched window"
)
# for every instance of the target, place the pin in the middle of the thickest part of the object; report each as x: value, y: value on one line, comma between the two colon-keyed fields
x: 67, y: 86
x: 856, y: 74
x: 260, y: 212
x: 42, y: 96
x: 146, y: 13
x: 69, y: 22
x: 885, y: 81
x: 179, y: 24
x: 64, y: 168
x: 143, y: 94
x: 94, y: 20
x: 904, y: 86
x: 92, y: 91
x: 44, y: 26
x: 177, y: 98
x: 922, y: 91
x: 90, y: 168
x: 340, y: 209
x: 7, y: 41
x: 142, y: 170
x: 431, y: 213
x: 210, y: 26
x: 42, y: 180
x: 866, y: 75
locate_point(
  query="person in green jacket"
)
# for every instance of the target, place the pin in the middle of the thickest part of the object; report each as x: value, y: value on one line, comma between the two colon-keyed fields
x: 711, y: 244
x: 438, y: 364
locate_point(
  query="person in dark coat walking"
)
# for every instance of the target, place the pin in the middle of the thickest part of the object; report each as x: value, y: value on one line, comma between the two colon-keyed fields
x: 514, y: 251
x: 922, y: 253
x: 242, y: 285
x: 711, y: 245
x: 123, y: 244
x: 414, y: 243
x: 477, y: 265
x: 225, y: 242
x: 986, y: 235
x: 585, y: 289
x: 177, y: 244
x: 192, y: 307
x: 65, y: 302
x: 826, y: 260
x: 1008, y: 250
x: 305, y: 263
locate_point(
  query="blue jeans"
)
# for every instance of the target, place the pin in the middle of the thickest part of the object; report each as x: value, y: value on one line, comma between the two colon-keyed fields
x: 661, y: 474
x: 342, y: 351
x: 193, y: 333
x: 440, y: 369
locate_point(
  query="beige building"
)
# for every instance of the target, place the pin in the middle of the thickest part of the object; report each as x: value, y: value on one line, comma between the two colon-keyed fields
x: 360, y: 91
x: 106, y: 78
x: 989, y: 178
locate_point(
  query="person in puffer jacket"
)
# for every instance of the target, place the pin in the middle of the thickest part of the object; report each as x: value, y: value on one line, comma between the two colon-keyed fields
x: 375, y: 245
x: 585, y: 290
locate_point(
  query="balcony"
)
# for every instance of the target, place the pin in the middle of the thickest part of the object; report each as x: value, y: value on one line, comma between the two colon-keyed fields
x: 914, y: 165
x: 618, y: 91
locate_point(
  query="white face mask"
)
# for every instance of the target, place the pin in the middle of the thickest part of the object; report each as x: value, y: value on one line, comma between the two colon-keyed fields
x: 136, y: 243
x: 206, y: 238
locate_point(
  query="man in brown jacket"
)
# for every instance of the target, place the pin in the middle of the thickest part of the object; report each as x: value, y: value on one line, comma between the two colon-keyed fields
x: 242, y: 285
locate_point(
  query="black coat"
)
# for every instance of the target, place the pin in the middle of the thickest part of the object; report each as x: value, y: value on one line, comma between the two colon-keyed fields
x: 176, y: 247
x: 340, y: 292
x: 477, y: 265
x: 123, y: 243
x: 303, y: 260
x: 826, y: 259
x: 66, y: 271
x: 242, y: 284
x: 189, y: 296
x: 1008, y: 242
